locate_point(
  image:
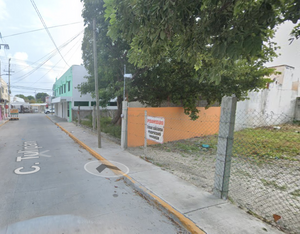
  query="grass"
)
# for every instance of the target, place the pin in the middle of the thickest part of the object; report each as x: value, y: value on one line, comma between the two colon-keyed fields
x: 257, y: 144
x: 268, y: 143
x: 296, y: 193
x: 274, y: 184
x: 106, y: 126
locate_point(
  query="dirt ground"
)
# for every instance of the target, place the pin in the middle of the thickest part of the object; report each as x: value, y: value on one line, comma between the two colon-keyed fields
x: 263, y: 189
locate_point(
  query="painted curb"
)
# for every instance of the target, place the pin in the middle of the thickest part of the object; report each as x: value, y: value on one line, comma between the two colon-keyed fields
x: 4, y: 123
x: 166, y: 208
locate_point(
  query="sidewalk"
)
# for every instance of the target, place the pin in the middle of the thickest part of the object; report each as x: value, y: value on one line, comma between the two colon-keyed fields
x: 182, y: 201
x: 3, y: 121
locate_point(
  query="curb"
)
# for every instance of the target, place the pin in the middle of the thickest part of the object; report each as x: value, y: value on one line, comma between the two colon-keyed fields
x: 4, y: 123
x: 166, y: 208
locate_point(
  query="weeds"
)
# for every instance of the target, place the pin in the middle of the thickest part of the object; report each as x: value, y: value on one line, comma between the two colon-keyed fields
x: 106, y: 126
x: 259, y: 145
x: 274, y: 184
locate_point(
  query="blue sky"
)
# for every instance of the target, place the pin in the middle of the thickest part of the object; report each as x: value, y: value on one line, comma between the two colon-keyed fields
x: 28, y: 51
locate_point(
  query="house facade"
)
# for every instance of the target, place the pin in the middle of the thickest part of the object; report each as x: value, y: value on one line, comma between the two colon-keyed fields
x: 4, y: 98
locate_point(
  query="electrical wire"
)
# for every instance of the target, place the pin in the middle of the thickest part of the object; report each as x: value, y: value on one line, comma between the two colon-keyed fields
x: 51, y: 55
x: 58, y: 61
x: 45, y: 26
x: 62, y: 25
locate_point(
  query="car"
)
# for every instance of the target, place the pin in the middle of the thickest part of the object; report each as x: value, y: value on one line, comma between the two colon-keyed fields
x: 49, y: 110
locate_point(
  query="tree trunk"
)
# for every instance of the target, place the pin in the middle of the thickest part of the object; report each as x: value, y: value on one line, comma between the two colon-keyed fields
x: 117, y: 118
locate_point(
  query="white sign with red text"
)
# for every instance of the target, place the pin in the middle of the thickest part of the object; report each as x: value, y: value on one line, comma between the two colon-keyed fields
x: 155, y: 129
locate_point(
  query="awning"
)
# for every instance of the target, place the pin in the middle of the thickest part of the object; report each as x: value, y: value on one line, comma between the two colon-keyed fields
x: 61, y: 99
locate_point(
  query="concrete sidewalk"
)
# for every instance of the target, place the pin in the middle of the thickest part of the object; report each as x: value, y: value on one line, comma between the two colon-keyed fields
x: 192, y: 205
x: 3, y: 121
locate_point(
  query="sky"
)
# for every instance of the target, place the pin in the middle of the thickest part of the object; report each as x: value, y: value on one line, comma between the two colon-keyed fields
x: 35, y: 61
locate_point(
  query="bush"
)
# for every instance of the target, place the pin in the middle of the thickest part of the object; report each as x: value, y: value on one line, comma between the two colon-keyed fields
x: 106, y: 126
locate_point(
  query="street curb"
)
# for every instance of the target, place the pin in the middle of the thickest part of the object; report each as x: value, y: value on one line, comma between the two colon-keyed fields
x: 166, y: 208
x: 4, y: 123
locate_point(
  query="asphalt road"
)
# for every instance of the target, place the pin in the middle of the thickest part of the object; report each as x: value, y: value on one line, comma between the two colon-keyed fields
x: 44, y: 187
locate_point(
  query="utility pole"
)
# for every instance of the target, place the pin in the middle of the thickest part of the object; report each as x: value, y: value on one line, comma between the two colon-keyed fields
x: 9, y: 80
x: 96, y: 83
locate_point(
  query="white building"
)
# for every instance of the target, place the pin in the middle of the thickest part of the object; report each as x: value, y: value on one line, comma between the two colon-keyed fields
x: 273, y: 105
x: 66, y: 97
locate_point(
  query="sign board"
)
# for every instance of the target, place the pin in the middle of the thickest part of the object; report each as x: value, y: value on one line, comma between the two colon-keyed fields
x: 155, y: 129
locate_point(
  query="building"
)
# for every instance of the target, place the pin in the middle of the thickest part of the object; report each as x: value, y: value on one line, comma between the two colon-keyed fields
x: 275, y: 102
x: 4, y: 98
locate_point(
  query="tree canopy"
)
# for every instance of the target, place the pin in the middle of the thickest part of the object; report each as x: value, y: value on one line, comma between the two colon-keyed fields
x: 41, y: 97
x: 180, y: 51
x: 226, y: 29
x: 111, y: 56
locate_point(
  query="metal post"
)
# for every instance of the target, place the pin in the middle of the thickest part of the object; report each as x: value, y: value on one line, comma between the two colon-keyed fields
x: 124, y: 82
x: 94, y: 115
x: 124, y: 125
x: 225, y: 144
x: 145, y: 136
x: 78, y: 115
x: 9, y: 86
x: 96, y: 83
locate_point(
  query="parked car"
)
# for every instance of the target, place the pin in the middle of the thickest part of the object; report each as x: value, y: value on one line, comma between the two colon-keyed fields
x: 49, y: 110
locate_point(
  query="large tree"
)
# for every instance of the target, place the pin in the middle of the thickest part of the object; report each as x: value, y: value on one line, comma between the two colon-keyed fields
x: 229, y: 29
x: 168, y: 76
x: 41, y: 97
x: 112, y: 56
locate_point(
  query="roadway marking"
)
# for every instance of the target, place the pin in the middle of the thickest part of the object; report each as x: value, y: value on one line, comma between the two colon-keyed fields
x: 30, y: 151
x: 99, y: 168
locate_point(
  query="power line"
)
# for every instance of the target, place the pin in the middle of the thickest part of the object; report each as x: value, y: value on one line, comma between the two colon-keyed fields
x: 29, y: 88
x: 62, y: 25
x: 45, y: 26
x: 51, y: 54
x: 58, y: 62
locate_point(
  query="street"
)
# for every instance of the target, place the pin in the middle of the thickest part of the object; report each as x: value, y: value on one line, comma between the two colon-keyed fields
x: 45, y: 187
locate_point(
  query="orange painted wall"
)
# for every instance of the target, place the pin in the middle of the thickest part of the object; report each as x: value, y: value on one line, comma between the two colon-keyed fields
x: 178, y: 125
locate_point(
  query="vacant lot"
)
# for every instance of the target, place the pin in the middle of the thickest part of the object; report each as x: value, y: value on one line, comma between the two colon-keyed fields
x: 265, y: 170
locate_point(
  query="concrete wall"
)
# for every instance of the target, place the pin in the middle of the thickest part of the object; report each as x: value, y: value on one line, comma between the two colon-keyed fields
x: 266, y: 106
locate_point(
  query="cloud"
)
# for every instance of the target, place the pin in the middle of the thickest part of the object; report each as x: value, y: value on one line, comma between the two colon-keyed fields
x: 3, y: 11
x: 21, y: 56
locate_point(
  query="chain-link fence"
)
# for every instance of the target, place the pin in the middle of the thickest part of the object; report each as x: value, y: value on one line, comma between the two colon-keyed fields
x: 265, y: 162
x: 189, y: 148
x: 265, y: 168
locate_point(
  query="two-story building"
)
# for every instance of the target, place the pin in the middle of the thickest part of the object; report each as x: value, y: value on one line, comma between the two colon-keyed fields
x: 67, y: 96
x: 3, y: 98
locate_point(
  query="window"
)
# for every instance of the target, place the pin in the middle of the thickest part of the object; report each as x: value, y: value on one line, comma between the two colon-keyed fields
x: 65, y: 90
x: 81, y: 103
x: 69, y: 86
x: 112, y: 104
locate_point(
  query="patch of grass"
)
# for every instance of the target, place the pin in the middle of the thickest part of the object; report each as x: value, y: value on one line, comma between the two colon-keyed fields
x: 87, y: 123
x: 106, y: 126
x: 109, y: 128
x: 268, y: 143
x: 274, y: 184
x: 244, y: 173
x: 296, y: 193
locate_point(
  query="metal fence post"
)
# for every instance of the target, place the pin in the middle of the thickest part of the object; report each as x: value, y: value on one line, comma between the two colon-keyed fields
x: 78, y: 114
x: 145, y: 140
x: 124, y: 125
x: 225, y: 144
x: 94, y: 115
